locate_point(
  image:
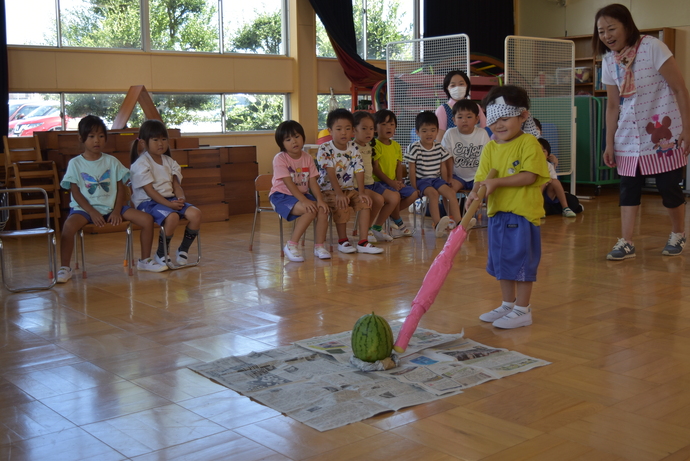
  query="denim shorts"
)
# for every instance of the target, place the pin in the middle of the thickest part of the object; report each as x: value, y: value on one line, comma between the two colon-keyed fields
x: 514, y: 248
x: 88, y: 217
x: 160, y: 212
x: 284, y: 203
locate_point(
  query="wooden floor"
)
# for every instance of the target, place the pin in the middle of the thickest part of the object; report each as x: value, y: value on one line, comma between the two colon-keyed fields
x: 96, y: 369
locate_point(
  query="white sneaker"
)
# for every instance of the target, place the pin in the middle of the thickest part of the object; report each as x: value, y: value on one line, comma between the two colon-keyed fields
x: 496, y: 314
x: 181, y: 258
x: 159, y: 260
x: 371, y: 238
x: 346, y: 247
x: 442, y: 226
x: 322, y: 253
x: 64, y: 274
x: 149, y: 265
x: 292, y: 253
x: 515, y: 319
x: 369, y: 248
x: 381, y: 236
x: 451, y: 224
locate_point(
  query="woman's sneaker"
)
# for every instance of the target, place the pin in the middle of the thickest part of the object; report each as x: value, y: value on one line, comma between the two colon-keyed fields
x: 292, y: 253
x: 64, y: 274
x: 675, y: 244
x: 621, y: 250
x: 149, y: 265
x: 568, y: 213
x: 321, y: 253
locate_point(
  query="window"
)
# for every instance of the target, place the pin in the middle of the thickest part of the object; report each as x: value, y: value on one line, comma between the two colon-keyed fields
x: 101, y: 23
x: 254, y: 112
x: 174, y: 25
x: 253, y: 27
x: 377, y: 23
x: 323, y: 104
x: 30, y: 113
x: 184, y: 25
x: 26, y: 27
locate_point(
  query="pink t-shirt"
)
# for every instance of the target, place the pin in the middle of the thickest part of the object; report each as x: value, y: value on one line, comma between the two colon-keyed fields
x: 299, y: 170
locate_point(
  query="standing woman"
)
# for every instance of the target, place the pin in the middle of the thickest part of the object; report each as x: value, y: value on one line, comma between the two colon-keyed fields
x: 647, y: 122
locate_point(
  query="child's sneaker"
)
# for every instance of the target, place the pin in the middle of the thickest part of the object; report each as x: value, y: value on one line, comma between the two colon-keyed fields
x: 371, y: 238
x: 64, y: 274
x: 451, y: 224
x: 568, y: 213
x: 181, y: 258
x: 400, y: 231
x: 346, y: 247
x: 321, y: 253
x: 675, y: 244
x: 495, y: 314
x: 515, y: 319
x: 292, y: 253
x: 369, y: 248
x: 380, y: 236
x: 160, y: 260
x: 442, y: 226
x: 149, y: 265
x: 621, y: 250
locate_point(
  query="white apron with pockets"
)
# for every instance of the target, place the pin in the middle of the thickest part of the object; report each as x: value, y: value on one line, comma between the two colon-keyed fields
x: 649, y: 122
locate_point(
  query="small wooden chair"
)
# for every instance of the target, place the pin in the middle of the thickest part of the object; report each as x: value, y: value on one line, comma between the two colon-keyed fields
x: 35, y: 232
x: 25, y: 168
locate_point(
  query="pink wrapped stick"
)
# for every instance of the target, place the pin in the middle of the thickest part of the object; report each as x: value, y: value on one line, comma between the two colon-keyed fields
x: 434, y: 278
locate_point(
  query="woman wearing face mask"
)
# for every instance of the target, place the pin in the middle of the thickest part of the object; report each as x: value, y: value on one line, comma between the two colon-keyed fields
x: 457, y: 86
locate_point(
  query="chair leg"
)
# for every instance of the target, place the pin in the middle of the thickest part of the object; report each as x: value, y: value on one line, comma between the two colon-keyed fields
x: 251, y: 239
x: 280, y: 224
x: 129, y: 250
x: 83, y: 263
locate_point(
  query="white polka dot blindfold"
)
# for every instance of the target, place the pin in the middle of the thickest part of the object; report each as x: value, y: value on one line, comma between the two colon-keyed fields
x: 499, y: 109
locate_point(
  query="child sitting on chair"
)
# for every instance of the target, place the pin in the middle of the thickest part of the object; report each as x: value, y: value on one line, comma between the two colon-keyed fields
x: 426, y: 158
x: 97, y: 184
x: 157, y: 191
x: 465, y: 143
x: 555, y: 198
x: 339, y: 165
x: 294, y: 173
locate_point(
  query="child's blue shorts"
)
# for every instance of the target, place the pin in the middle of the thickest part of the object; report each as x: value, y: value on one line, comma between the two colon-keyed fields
x: 284, y: 203
x: 160, y: 212
x: 380, y: 186
x: 514, y: 248
x: 88, y: 217
x: 466, y: 185
x: 436, y: 183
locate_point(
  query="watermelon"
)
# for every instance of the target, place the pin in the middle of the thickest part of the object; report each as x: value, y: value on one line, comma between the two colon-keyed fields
x: 372, y: 338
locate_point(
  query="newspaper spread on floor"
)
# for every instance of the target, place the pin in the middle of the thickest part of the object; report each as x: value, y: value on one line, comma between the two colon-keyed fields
x: 313, y: 382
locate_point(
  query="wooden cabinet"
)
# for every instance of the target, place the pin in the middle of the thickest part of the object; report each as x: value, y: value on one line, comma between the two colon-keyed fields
x: 585, y: 60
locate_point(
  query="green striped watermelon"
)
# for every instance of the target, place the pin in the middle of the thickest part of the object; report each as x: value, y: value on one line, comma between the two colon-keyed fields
x: 372, y: 338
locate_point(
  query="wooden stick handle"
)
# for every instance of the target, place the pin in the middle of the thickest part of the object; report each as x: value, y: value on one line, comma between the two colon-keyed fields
x: 474, y: 206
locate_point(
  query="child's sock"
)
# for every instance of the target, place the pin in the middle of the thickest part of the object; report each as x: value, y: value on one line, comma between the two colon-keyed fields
x: 189, y: 236
x: 508, y: 305
x: 376, y: 228
x: 362, y: 242
x: 521, y: 309
x: 317, y: 245
x: 290, y: 242
x: 161, y: 250
x: 398, y: 222
x: 342, y: 241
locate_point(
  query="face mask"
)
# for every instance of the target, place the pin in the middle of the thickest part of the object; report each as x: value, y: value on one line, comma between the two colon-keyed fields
x: 458, y: 92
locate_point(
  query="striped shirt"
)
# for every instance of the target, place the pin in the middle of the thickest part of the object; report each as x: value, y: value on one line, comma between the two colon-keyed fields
x: 427, y: 162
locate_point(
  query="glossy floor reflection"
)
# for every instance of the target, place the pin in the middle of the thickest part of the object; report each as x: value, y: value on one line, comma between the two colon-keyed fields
x: 96, y: 369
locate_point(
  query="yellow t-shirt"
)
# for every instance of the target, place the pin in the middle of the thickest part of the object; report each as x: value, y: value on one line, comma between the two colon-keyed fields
x: 521, y: 154
x: 388, y: 157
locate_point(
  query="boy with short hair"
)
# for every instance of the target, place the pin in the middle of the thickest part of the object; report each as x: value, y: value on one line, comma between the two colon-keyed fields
x: 339, y: 165
x: 465, y: 142
x: 515, y: 203
x: 426, y: 158
x: 96, y: 181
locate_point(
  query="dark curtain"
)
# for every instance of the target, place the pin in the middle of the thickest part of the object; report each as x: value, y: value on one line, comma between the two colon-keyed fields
x: 4, y: 75
x: 337, y: 18
x: 487, y: 23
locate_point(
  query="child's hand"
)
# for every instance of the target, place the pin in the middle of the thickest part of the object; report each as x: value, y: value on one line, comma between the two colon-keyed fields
x: 176, y: 204
x: 553, y: 159
x: 321, y: 205
x: 115, y: 219
x: 490, y: 185
x: 97, y: 219
x: 471, y: 197
x: 309, y: 206
x: 399, y: 185
x: 341, y: 201
x: 365, y: 199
